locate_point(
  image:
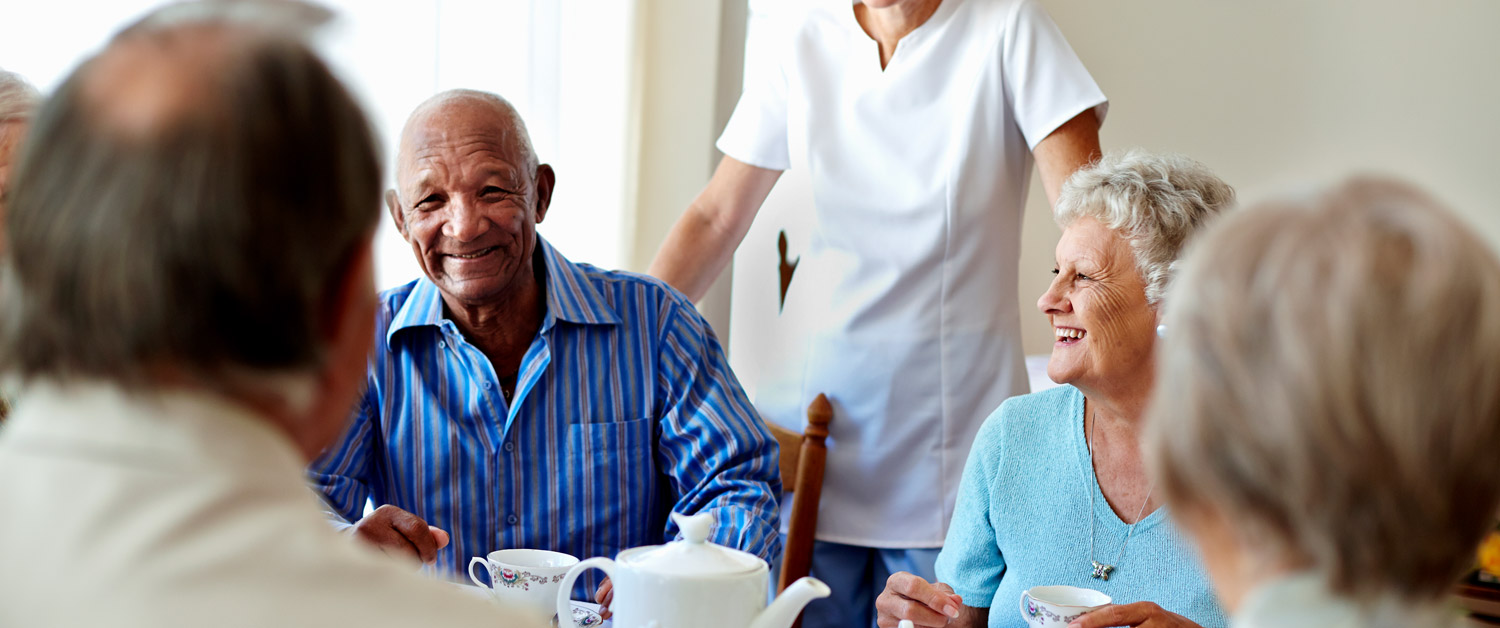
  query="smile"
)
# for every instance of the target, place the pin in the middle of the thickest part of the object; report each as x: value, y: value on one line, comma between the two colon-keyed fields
x: 1069, y: 335
x: 475, y: 255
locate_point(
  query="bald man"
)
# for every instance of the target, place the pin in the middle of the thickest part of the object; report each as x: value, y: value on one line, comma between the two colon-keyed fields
x: 516, y: 399
x: 191, y: 241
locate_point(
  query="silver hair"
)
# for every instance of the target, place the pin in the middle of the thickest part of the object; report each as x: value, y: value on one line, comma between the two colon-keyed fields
x: 1153, y: 201
x: 1329, y: 387
x: 17, y: 97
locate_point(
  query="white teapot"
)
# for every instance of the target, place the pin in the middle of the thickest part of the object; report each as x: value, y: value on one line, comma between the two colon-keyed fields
x: 692, y: 584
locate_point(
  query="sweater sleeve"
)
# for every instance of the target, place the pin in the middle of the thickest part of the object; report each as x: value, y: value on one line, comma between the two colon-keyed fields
x: 971, y: 562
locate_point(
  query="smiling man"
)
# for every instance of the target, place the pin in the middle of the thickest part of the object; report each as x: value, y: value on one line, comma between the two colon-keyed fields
x: 516, y: 399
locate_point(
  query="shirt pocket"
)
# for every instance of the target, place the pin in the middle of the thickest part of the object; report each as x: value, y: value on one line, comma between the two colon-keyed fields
x: 614, y: 491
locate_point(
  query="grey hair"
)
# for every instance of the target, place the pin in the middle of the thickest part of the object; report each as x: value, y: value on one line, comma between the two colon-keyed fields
x: 1155, y: 202
x: 1330, y: 388
x: 17, y: 97
x: 212, y: 240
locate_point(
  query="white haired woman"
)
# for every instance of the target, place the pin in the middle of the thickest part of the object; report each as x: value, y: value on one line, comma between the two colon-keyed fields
x: 1055, y: 490
x: 1328, y: 407
x: 17, y: 100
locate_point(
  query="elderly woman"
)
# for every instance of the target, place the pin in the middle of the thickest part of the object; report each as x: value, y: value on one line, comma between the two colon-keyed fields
x: 1055, y: 490
x: 1328, y: 411
x: 17, y: 99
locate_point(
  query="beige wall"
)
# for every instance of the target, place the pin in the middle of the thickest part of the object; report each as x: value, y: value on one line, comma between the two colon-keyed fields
x: 689, y: 81
x: 1279, y: 94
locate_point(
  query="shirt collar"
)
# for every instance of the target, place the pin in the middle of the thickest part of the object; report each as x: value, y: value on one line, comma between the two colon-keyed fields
x: 571, y: 297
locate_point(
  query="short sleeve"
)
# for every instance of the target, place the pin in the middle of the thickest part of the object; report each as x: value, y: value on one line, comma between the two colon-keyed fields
x: 971, y: 562
x: 1047, y: 82
x: 756, y: 133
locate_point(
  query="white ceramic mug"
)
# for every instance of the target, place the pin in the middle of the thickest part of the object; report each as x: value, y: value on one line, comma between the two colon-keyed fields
x: 525, y: 577
x: 1058, y: 606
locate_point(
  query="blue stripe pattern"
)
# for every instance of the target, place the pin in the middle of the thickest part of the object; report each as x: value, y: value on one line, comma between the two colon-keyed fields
x: 625, y: 409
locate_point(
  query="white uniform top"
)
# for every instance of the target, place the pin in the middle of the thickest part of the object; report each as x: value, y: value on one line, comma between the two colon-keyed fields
x: 903, y: 307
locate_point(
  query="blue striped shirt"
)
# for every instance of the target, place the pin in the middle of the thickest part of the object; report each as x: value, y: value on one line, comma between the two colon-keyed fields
x: 625, y: 409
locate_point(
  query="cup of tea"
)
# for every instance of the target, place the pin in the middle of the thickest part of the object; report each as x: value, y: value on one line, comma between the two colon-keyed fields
x: 1057, y: 606
x: 528, y: 578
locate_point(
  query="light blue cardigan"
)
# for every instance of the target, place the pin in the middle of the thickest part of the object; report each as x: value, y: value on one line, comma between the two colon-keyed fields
x: 1022, y: 520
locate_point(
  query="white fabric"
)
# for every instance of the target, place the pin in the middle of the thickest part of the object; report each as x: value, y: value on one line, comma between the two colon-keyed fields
x: 181, y: 510
x: 1302, y: 601
x: 903, y: 307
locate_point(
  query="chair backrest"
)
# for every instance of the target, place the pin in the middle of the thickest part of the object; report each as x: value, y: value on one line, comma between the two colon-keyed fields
x: 805, y: 480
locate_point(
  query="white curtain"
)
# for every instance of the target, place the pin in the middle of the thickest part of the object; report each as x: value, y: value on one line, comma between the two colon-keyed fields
x: 567, y: 65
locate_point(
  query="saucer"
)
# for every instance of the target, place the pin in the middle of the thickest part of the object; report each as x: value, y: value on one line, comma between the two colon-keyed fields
x: 583, y: 617
x: 586, y: 617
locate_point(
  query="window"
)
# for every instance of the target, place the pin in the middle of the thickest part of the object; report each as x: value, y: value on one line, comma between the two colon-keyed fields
x: 565, y: 64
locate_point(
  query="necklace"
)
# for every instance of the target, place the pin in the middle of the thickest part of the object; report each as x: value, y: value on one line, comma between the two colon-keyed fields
x: 1101, y: 571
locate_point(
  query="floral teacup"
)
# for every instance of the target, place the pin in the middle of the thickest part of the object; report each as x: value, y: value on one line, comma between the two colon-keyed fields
x: 1058, y: 606
x: 525, y: 577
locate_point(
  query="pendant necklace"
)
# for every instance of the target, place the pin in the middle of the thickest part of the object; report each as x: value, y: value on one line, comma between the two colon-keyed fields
x: 1101, y: 571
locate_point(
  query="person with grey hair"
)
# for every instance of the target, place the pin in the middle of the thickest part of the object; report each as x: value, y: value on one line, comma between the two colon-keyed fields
x: 188, y: 294
x: 17, y: 99
x: 519, y: 399
x: 1328, y: 407
x: 1055, y: 489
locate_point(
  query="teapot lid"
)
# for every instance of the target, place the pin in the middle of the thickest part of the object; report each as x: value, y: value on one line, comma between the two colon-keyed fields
x: 693, y: 555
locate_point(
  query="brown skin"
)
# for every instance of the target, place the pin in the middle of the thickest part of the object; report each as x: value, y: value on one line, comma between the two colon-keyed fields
x: 1098, y: 290
x: 469, y: 196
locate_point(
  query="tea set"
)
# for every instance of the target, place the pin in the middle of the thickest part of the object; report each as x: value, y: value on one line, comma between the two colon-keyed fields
x: 691, y: 583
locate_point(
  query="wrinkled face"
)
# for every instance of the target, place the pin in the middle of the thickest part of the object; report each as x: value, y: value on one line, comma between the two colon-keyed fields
x: 1104, y: 331
x: 10, y: 142
x: 468, y: 203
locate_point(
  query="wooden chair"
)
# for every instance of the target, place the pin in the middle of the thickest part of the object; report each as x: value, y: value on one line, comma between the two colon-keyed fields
x: 802, y: 459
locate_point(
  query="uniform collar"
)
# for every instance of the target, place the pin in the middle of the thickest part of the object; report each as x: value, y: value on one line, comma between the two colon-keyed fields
x: 571, y: 297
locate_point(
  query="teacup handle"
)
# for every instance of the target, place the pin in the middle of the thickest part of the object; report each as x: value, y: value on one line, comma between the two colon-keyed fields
x: 478, y: 560
x: 565, y: 594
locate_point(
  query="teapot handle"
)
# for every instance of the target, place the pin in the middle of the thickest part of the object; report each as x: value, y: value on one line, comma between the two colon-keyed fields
x: 565, y: 594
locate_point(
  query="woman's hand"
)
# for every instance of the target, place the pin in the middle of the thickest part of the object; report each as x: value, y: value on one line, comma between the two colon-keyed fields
x: 926, y: 604
x: 1144, y: 614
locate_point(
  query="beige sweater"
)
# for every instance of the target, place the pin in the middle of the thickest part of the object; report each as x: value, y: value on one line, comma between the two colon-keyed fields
x: 183, y: 510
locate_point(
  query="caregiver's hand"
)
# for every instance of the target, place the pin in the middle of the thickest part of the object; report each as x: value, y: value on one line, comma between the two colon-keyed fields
x: 926, y: 604
x: 1144, y: 614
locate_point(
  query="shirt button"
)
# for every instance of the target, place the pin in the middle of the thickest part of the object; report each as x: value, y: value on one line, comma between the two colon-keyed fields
x: 513, y: 520
x: 443, y: 344
x: 509, y: 447
x: 487, y: 385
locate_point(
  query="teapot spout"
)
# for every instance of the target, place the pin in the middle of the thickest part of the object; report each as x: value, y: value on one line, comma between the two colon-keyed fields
x: 782, y: 612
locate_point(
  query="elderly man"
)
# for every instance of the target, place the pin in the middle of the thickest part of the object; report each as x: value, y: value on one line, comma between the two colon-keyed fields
x: 519, y: 400
x: 17, y: 99
x: 189, y: 295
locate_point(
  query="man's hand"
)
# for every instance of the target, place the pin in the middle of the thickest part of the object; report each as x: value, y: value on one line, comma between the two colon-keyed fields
x: 400, y: 533
x: 926, y: 604
x: 603, y: 597
x: 1145, y: 614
